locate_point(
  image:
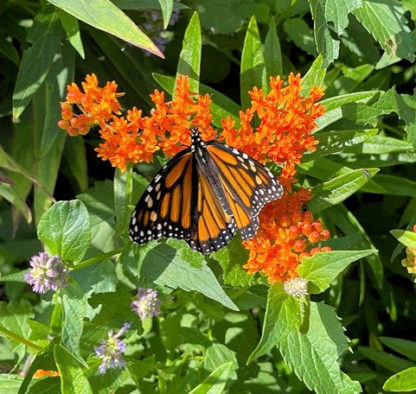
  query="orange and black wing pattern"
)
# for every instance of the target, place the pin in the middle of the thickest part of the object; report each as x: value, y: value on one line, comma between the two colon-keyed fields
x: 248, y: 185
x: 165, y: 208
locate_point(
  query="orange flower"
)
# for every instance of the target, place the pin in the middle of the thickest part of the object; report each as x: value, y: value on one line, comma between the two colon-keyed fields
x: 285, y: 236
x: 285, y: 124
x: 276, y: 127
x: 41, y: 373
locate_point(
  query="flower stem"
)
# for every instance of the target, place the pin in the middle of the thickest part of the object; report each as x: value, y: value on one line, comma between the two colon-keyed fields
x: 98, y: 258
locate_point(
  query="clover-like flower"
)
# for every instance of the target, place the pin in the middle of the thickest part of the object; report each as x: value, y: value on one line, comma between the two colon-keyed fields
x: 111, y: 350
x: 146, y: 304
x: 47, y: 273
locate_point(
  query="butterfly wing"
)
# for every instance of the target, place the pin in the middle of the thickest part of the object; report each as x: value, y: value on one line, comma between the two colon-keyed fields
x: 165, y: 208
x: 248, y: 185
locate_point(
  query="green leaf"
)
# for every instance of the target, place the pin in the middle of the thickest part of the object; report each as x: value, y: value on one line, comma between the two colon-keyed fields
x: 123, y: 187
x: 104, y: 15
x: 384, y: 359
x: 337, y: 11
x: 14, y: 317
x: 165, y: 266
x: 282, y: 317
x: 407, y: 238
x: 76, y: 158
x: 380, y: 144
x: 221, y: 106
x: 9, y: 384
x: 8, y: 50
x: 218, y: 354
x: 10, y: 193
x: 190, y: 56
x: 37, y: 60
x: 391, y: 184
x: 338, y: 141
x: 322, y: 268
x: 73, y: 380
x: 272, y: 51
x: 74, y: 304
x: 65, y: 230
x: 402, y: 346
x: 253, y: 66
x: 301, y: 34
x: 314, y: 355
x: 325, y: 44
x: 394, y: 36
x: 71, y: 27
x: 402, y: 381
x: 216, y: 382
x: 232, y: 258
x: 338, y: 189
x: 167, y: 8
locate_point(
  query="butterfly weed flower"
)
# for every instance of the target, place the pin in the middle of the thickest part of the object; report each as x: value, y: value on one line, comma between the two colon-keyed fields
x: 296, y: 287
x: 46, y: 273
x: 111, y: 350
x: 146, y: 304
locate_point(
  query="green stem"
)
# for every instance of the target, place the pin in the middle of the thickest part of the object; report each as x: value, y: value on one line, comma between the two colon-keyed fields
x: 394, y: 130
x: 20, y: 339
x: 97, y: 259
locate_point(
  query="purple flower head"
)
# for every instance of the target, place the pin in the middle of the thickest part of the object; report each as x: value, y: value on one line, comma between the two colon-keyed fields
x: 146, y: 304
x: 47, y: 273
x: 111, y: 350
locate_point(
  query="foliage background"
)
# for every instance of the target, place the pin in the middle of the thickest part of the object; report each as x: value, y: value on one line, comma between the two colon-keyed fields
x: 361, y: 51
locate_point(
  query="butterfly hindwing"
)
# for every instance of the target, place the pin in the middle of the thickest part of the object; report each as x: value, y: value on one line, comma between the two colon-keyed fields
x: 165, y: 207
x: 248, y: 185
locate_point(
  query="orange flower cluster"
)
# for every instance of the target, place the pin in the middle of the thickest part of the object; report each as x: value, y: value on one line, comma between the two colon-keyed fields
x: 284, y: 123
x: 135, y: 138
x: 285, y: 120
x: 410, y: 261
x: 286, y: 235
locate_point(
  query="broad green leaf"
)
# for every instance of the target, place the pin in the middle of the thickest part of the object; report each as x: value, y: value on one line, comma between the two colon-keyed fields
x: 65, y: 230
x: 322, y: 268
x: 350, y: 80
x: 338, y: 189
x: 71, y: 27
x: 337, y: 11
x: 282, y: 317
x: 37, y: 60
x: 190, y: 56
x: 325, y: 44
x: 391, y: 184
x: 164, y: 266
x: 123, y: 187
x: 74, y: 304
x: 76, y: 159
x: 253, y: 66
x: 272, y: 51
x: 384, y: 359
x: 407, y: 238
x: 410, y: 6
x: 301, y: 34
x: 394, y: 36
x: 338, y: 141
x: 221, y: 106
x: 380, y: 144
x: 14, y: 317
x: 216, y: 382
x: 232, y: 258
x: 104, y: 15
x: 9, y: 384
x: 402, y: 381
x: 73, y: 380
x: 167, y: 8
x: 314, y: 77
x: 402, y: 346
x: 218, y: 354
x: 314, y: 355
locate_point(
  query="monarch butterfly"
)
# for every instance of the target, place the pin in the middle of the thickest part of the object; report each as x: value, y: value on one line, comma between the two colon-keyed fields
x: 203, y: 195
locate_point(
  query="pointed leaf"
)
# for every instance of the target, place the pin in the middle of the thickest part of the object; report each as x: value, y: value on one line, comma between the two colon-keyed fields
x: 402, y: 381
x: 407, y: 238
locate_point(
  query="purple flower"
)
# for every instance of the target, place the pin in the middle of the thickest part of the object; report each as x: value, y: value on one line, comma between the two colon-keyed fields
x: 111, y: 350
x: 146, y: 304
x: 47, y: 273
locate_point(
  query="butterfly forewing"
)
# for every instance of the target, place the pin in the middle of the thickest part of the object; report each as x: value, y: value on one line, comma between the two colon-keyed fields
x: 248, y: 185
